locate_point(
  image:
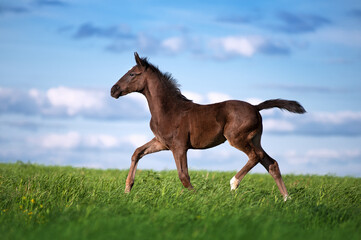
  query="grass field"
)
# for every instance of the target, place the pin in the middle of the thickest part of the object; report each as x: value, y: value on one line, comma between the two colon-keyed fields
x: 39, y: 202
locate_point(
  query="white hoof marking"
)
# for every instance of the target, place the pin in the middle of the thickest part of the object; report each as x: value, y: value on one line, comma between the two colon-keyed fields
x: 287, y: 197
x: 234, y: 183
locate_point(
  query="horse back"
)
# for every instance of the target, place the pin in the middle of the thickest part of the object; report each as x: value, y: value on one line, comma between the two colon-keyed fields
x: 206, y: 123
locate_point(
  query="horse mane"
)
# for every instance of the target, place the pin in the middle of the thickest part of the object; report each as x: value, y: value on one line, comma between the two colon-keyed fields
x: 166, y: 78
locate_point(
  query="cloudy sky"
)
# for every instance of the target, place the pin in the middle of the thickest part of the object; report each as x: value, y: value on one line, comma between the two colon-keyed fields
x: 59, y: 59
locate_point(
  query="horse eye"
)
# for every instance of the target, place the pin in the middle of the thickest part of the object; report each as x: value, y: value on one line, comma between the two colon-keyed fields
x: 131, y: 74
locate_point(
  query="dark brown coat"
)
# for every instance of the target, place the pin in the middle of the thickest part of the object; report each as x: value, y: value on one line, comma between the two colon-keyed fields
x: 179, y: 124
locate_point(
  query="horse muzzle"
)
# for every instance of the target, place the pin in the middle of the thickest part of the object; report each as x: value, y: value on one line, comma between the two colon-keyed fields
x: 115, y: 92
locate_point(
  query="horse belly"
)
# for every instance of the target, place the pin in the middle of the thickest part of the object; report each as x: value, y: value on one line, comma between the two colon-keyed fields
x: 206, y: 134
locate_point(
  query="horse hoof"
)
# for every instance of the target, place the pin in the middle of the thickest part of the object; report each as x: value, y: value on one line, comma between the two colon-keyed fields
x: 287, y: 197
x: 127, y: 189
x: 234, y: 183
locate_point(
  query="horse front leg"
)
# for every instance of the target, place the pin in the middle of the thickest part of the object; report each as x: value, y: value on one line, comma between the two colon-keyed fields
x: 180, y: 157
x: 152, y: 146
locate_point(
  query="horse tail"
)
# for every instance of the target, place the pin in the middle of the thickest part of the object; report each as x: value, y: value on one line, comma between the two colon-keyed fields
x: 291, y: 106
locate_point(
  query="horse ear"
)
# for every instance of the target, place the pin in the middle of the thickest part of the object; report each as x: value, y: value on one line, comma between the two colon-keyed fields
x: 137, y: 59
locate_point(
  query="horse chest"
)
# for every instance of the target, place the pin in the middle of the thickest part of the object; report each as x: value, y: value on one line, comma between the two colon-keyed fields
x: 166, y: 131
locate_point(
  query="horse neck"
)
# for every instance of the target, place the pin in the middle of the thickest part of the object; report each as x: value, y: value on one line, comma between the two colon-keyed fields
x: 159, y: 100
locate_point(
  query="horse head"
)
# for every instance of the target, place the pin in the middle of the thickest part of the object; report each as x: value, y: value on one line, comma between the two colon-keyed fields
x: 133, y: 81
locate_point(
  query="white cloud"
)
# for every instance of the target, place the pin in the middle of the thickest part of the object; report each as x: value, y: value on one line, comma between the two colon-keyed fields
x: 214, y: 97
x: 276, y: 125
x: 173, y: 44
x: 76, y: 140
x: 322, y: 155
x: 241, y: 45
x: 137, y: 140
x: 74, y: 100
x: 254, y: 101
x: 336, y: 117
x: 36, y: 94
x: 245, y: 46
x: 60, y: 141
x: 211, y: 97
x: 64, y: 102
x: 345, y: 123
x: 330, y: 154
x: 140, y: 99
x: 101, y: 141
x: 196, y: 97
x: 149, y: 44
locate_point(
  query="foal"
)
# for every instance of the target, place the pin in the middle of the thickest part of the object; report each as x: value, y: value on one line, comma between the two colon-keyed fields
x: 179, y: 124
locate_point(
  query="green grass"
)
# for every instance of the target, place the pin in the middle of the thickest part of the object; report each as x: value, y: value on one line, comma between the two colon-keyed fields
x: 39, y: 202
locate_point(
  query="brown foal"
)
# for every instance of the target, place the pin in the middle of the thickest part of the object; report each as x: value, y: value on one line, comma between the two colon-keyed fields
x: 179, y: 124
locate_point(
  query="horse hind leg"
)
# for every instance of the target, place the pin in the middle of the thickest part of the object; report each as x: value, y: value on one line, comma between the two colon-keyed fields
x: 271, y: 166
x: 254, y: 152
x: 253, y: 160
x: 252, y: 147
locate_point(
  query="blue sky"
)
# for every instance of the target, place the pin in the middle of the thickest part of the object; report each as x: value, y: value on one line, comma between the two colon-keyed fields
x: 59, y: 60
